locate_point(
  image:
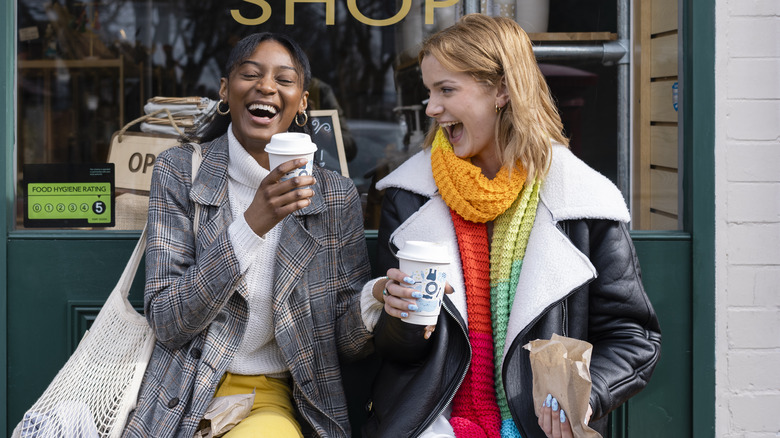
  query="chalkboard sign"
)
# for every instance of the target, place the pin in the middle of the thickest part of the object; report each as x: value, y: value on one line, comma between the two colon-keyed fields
x: 326, y: 134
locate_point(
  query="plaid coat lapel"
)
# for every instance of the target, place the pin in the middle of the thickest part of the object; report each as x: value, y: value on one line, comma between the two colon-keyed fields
x: 293, y: 322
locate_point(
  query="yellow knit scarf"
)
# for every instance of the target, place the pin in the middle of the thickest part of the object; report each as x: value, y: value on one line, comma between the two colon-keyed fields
x: 466, y: 190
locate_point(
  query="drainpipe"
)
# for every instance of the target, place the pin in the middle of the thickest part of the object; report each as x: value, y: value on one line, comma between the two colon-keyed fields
x: 624, y: 101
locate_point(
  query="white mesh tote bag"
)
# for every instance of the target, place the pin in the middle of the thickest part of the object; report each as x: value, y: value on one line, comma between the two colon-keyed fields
x: 94, y: 392
x: 97, y: 387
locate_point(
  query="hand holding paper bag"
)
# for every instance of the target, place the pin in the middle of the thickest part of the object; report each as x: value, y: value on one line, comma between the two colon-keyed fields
x: 560, y: 367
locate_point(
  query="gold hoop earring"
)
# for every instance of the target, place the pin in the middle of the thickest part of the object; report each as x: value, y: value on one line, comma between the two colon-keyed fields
x: 220, y: 112
x: 498, y: 108
x: 305, y: 119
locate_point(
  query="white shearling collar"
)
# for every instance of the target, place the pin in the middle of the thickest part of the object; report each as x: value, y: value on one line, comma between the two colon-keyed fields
x: 571, y: 189
x: 414, y: 175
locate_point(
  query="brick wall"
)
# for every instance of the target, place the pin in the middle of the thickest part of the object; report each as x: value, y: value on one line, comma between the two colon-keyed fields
x: 747, y: 174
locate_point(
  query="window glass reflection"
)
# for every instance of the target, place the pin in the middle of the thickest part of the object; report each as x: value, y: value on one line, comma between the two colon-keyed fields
x: 86, y: 69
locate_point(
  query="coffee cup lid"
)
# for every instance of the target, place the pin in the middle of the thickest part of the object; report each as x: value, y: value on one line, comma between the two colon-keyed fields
x: 290, y: 143
x: 424, y: 251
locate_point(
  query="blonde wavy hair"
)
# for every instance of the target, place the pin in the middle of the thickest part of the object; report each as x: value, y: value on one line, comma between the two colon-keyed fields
x: 496, y: 49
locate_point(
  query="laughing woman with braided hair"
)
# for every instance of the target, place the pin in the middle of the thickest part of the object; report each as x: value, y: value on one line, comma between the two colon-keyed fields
x: 539, y: 244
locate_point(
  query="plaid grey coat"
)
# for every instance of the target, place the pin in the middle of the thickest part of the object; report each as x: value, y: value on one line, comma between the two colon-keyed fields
x: 195, y: 298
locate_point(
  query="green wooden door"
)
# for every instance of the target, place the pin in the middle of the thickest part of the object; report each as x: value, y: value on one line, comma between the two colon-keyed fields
x: 56, y: 287
x: 662, y: 409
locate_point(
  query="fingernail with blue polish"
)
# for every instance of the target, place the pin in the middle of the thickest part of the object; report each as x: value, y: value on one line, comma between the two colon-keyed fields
x: 416, y: 294
x: 548, y: 400
x: 408, y: 280
x: 554, y: 404
x: 404, y: 315
x: 563, y: 416
x: 413, y: 307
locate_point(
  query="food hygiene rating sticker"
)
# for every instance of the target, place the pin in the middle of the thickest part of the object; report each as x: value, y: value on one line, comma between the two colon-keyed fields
x: 69, y: 195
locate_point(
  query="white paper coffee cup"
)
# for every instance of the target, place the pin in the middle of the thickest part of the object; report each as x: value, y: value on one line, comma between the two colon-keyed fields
x: 427, y: 264
x: 286, y: 146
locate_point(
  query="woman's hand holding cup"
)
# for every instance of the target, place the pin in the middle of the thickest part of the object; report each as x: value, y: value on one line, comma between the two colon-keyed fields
x: 399, y: 297
x: 276, y: 199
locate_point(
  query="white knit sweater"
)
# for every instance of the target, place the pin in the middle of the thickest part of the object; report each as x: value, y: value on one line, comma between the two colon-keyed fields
x: 258, y: 352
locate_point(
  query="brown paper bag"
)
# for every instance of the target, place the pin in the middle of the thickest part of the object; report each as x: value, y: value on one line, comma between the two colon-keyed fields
x: 224, y: 413
x: 560, y: 367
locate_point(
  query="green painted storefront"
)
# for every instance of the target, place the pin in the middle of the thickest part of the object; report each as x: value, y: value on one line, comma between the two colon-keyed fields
x: 53, y: 282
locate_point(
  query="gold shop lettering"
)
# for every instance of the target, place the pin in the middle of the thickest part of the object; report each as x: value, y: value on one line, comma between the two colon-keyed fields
x: 330, y: 12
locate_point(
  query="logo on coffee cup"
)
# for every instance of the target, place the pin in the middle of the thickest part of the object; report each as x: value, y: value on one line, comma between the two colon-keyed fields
x: 431, y: 284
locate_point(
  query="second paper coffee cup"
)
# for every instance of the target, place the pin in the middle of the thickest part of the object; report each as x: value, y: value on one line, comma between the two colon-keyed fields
x: 286, y: 146
x: 427, y: 264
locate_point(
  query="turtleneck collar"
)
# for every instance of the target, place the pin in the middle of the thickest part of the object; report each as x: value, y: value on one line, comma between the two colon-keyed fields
x: 242, y: 167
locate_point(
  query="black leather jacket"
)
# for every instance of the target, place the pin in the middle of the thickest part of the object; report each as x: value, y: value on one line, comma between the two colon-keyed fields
x: 419, y: 378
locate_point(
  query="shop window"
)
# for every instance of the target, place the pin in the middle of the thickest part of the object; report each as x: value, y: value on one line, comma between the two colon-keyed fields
x: 85, y: 69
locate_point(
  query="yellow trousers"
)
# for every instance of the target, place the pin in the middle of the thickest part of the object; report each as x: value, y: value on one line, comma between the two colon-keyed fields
x: 272, y: 415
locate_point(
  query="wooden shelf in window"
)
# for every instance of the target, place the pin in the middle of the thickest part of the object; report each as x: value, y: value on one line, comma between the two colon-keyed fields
x: 48, y: 64
x: 573, y: 36
x: 48, y: 67
x: 69, y: 63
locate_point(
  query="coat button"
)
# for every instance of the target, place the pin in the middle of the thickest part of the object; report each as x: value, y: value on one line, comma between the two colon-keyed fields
x: 174, y: 401
x: 195, y: 352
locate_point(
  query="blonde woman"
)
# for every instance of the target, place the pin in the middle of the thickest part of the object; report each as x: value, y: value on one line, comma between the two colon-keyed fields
x: 539, y: 245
